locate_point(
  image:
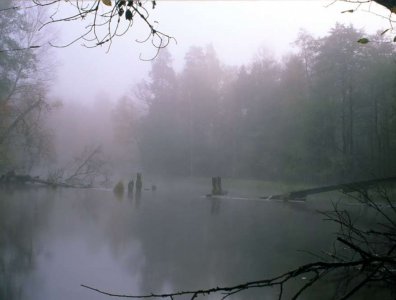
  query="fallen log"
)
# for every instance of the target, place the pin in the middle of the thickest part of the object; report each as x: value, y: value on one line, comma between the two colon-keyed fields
x: 11, y: 178
x: 344, y: 187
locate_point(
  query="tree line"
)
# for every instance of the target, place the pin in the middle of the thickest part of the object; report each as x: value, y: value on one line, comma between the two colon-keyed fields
x: 323, y: 113
x: 25, y: 72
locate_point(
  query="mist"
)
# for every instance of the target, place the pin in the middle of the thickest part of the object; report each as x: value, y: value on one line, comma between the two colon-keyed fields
x: 244, y: 38
x: 197, y: 150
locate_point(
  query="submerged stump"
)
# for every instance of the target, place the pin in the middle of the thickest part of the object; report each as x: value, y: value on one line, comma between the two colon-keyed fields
x: 119, y: 189
x: 130, y: 187
x: 216, y: 186
x: 139, y: 182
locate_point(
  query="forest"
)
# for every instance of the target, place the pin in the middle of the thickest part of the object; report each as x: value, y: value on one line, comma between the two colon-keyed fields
x: 323, y: 113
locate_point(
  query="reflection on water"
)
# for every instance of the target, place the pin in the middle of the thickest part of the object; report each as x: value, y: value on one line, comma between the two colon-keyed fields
x: 52, y: 241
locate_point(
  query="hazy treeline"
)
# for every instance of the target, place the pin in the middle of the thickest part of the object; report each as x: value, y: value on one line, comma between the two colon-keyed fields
x: 104, y: 123
x: 40, y: 135
x: 25, y: 141
x: 324, y: 113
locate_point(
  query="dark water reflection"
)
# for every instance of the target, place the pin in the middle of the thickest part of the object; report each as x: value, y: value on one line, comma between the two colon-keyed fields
x: 52, y: 241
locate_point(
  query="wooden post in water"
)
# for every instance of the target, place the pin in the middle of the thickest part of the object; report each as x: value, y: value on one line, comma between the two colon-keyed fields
x: 139, y: 182
x: 214, y: 191
x: 220, y: 189
x: 130, y: 187
x: 216, y: 186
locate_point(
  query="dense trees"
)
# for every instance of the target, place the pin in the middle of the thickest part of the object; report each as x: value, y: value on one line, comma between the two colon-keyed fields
x: 324, y: 113
x: 23, y: 84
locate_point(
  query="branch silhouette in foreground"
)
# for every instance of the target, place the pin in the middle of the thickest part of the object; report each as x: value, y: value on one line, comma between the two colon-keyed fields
x: 317, y: 269
x: 105, y: 20
x: 363, y: 256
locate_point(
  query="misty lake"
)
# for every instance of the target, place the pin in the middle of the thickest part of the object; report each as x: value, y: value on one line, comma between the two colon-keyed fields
x: 54, y: 240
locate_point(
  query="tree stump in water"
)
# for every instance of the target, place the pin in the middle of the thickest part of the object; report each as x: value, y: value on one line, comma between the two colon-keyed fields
x: 130, y: 187
x: 219, y: 185
x: 216, y: 186
x: 119, y: 189
x: 139, y: 183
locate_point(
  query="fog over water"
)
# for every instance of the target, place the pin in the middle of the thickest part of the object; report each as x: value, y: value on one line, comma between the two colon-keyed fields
x: 162, y: 242
x: 209, y: 163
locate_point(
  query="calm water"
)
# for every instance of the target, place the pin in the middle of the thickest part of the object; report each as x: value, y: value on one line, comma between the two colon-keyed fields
x: 54, y: 240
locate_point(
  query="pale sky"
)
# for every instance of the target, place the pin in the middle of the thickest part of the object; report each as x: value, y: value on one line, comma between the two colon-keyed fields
x: 236, y: 29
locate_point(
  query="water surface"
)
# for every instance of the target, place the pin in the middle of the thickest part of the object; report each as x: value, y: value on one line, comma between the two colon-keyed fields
x: 54, y: 240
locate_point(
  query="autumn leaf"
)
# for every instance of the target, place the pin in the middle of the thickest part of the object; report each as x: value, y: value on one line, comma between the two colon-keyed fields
x: 120, y: 11
x: 128, y: 15
x: 107, y: 2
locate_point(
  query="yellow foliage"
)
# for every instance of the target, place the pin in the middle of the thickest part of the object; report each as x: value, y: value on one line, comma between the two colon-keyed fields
x: 107, y: 2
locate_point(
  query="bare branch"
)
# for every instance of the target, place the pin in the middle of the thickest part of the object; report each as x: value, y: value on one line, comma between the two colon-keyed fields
x: 19, y: 118
x: 19, y: 49
x: 104, y: 23
x: 368, y: 258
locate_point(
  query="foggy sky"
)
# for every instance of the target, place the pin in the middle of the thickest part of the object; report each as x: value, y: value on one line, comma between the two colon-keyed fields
x: 236, y: 29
